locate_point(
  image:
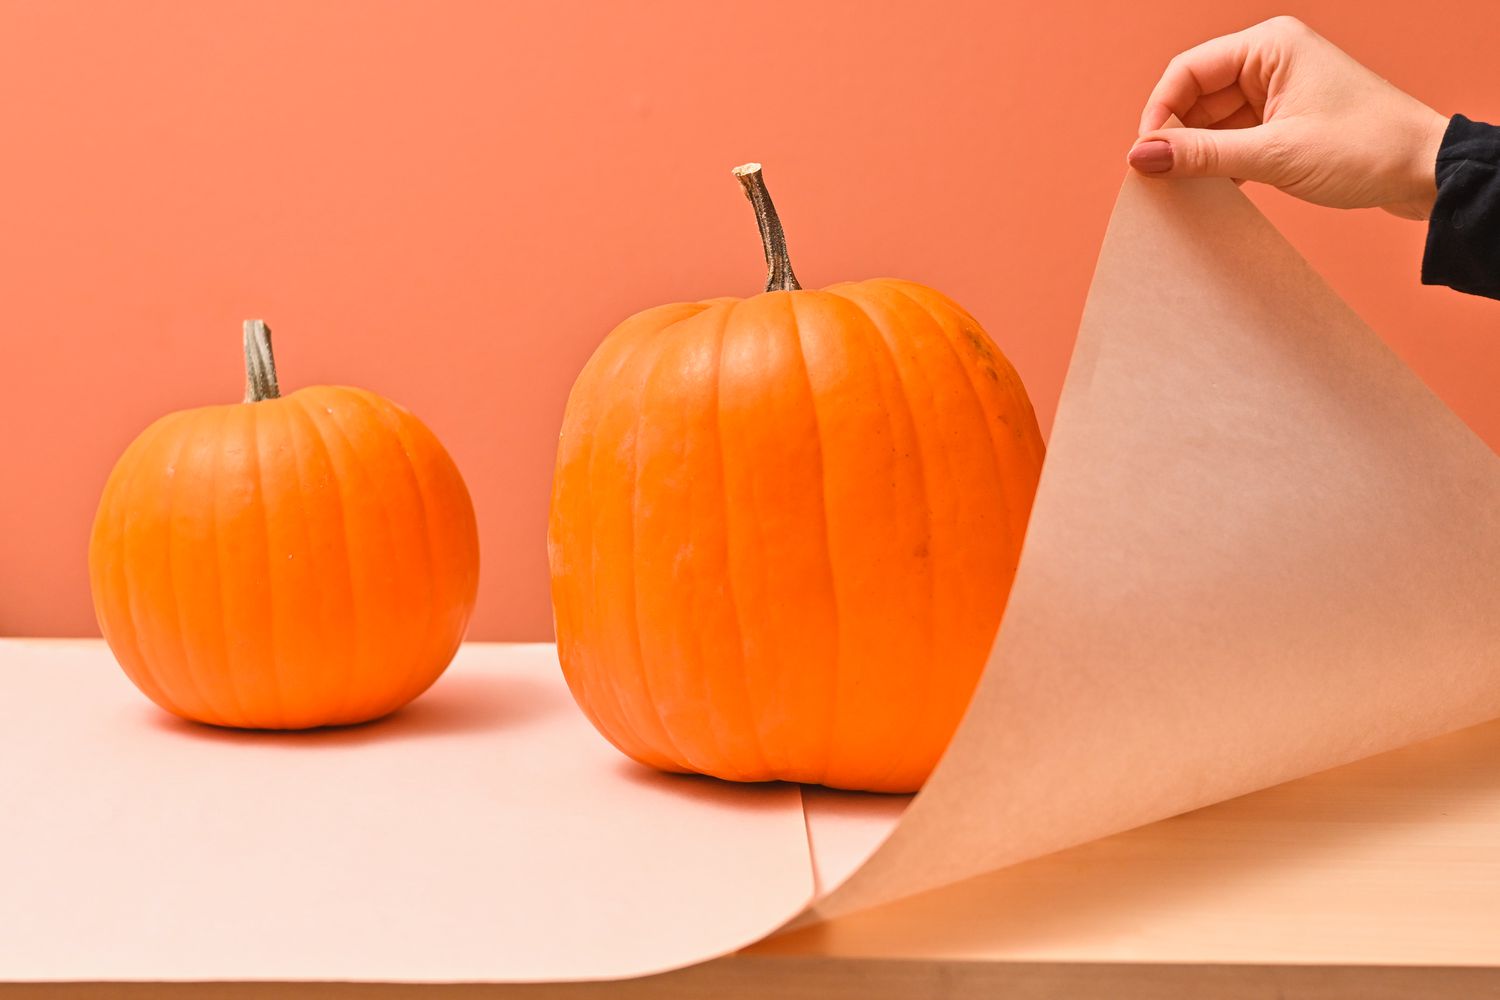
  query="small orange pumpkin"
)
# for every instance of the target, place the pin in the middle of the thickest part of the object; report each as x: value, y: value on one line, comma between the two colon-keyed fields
x: 783, y: 528
x: 285, y: 562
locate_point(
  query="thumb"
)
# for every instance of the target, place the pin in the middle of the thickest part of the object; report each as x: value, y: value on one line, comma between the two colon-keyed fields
x: 1243, y: 153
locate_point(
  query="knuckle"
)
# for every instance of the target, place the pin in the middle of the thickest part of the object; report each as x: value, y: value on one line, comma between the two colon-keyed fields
x: 1200, y: 158
x: 1286, y: 24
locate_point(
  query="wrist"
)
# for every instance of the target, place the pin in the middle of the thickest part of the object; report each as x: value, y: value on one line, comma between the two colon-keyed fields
x: 1423, y: 166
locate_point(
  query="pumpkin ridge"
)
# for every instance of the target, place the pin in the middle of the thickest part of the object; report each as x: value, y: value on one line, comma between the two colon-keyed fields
x: 743, y: 712
x: 626, y: 704
x: 214, y: 714
x: 421, y: 484
x: 436, y: 473
x: 257, y: 477
x: 628, y: 713
x: 117, y: 543
x: 651, y: 364
x: 940, y: 330
x: 1006, y: 372
x: 234, y: 671
x: 356, y: 461
x: 353, y: 658
x: 108, y: 582
x: 416, y: 666
x: 963, y: 367
x: 887, y: 346
x: 171, y: 572
x: 1024, y: 439
x: 623, y: 731
x: 1007, y: 516
x: 1007, y: 485
x: 300, y: 412
x: 290, y: 411
x: 190, y: 667
x: 764, y: 744
x: 752, y: 716
x: 830, y: 737
x: 113, y: 554
x: 780, y: 757
x: 581, y: 679
x: 562, y: 607
x: 690, y: 333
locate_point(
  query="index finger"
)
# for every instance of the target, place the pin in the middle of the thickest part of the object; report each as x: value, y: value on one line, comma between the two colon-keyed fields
x: 1202, y: 69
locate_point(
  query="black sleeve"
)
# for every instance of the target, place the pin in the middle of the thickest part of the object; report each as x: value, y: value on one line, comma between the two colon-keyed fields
x: 1463, y: 236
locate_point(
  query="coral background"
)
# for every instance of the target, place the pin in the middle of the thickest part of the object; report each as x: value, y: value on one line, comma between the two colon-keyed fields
x: 451, y: 203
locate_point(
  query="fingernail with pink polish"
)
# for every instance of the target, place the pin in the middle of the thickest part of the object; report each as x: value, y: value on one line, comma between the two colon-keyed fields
x: 1153, y: 157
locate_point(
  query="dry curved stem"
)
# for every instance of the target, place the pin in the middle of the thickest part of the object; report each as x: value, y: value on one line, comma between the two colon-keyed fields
x: 260, y: 364
x: 779, y: 276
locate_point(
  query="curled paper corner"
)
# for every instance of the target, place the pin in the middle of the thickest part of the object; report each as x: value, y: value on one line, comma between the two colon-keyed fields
x: 1261, y: 547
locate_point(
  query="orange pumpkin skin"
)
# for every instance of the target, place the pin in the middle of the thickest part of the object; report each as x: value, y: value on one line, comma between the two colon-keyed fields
x: 783, y: 530
x: 308, y: 560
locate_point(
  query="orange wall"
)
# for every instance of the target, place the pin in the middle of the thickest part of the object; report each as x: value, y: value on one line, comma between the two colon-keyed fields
x: 451, y: 203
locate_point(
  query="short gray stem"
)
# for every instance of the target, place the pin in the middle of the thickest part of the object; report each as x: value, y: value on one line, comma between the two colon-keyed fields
x: 260, y: 365
x: 779, y: 276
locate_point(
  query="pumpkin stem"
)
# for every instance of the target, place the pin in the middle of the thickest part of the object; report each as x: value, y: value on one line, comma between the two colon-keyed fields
x: 260, y: 365
x: 779, y: 276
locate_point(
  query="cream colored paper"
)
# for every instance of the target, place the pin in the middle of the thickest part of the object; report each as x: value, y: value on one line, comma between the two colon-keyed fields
x: 1390, y: 861
x: 845, y: 828
x: 1260, y: 548
x: 484, y: 833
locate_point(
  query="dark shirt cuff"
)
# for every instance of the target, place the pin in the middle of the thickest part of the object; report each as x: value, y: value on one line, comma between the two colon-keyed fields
x: 1463, y: 236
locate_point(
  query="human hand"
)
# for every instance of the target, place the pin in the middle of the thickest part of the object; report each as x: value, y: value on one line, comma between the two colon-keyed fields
x: 1280, y: 104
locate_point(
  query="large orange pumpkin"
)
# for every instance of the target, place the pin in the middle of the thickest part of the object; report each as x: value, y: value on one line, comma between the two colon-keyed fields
x: 783, y: 528
x: 285, y: 562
